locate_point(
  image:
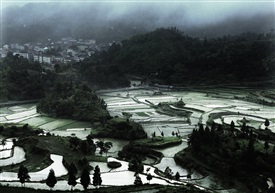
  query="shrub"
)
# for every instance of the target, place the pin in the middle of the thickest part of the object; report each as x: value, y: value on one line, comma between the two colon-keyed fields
x: 114, y: 164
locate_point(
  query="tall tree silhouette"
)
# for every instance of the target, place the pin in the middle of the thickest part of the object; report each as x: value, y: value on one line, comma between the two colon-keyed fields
x: 97, y: 178
x: 85, y: 179
x: 72, y: 171
x: 51, y: 179
x: 71, y: 180
x: 23, y: 174
x: 232, y: 126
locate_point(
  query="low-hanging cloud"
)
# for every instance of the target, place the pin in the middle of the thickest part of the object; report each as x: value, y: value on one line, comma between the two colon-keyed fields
x: 201, y: 18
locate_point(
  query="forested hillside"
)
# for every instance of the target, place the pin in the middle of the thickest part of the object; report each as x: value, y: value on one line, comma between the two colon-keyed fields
x: 22, y: 80
x: 237, y: 155
x: 76, y: 101
x: 167, y: 56
x: 164, y: 56
x: 97, y: 73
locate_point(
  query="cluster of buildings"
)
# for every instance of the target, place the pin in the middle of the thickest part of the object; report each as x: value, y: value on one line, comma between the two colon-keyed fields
x: 63, y: 51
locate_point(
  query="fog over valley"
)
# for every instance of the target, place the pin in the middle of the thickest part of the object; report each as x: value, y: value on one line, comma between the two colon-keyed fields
x: 114, y: 21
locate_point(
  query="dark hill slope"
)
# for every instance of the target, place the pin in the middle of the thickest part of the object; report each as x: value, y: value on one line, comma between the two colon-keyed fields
x: 170, y: 57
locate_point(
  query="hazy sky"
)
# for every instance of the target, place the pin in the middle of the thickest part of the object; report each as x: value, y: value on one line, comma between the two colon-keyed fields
x: 199, y: 11
x: 220, y: 17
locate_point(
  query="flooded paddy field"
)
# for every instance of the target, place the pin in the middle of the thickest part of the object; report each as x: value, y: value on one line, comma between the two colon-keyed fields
x: 138, y: 102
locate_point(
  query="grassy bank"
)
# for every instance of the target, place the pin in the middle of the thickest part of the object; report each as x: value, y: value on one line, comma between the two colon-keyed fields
x: 159, y: 142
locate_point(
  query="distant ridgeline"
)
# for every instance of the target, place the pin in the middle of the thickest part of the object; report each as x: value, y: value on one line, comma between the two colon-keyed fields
x: 168, y: 56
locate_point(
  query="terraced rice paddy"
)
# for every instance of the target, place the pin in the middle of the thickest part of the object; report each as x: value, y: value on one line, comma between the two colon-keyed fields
x: 138, y: 103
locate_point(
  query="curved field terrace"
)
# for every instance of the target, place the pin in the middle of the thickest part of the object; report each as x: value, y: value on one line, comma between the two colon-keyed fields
x: 218, y: 105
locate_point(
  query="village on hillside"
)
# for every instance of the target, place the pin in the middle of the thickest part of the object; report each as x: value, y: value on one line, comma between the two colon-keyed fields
x: 51, y: 52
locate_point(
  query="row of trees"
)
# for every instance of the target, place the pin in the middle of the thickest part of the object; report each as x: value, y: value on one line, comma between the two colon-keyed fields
x: 88, y: 146
x: 168, y: 174
x: 85, y: 180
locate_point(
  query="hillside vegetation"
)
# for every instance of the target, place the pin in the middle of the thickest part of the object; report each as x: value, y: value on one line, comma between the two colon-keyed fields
x: 238, y: 155
x: 76, y: 101
x: 167, y: 56
x: 164, y: 56
x: 21, y: 80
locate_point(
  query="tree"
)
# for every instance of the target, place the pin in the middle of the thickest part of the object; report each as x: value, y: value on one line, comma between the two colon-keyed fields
x: 1, y: 128
x: 244, y: 127
x: 87, y: 148
x: 25, y: 126
x: 71, y: 180
x: 201, y: 129
x: 104, y: 146
x: 180, y: 103
x: 83, y: 162
x: 220, y: 129
x: 213, y: 127
x: 149, y: 177
x: 206, y: 132
x: 266, y: 123
x: 250, y: 152
x: 136, y: 165
x: 168, y: 172
x: 177, y: 176
x: 90, y: 139
x: 74, y: 142
x: 51, y: 179
x: 97, y: 178
x: 57, y: 68
x: 23, y: 174
x: 250, y: 146
x: 127, y: 116
x: 266, y: 146
x: 138, y: 180
x: 72, y: 168
x: 85, y: 179
x: 188, y: 176
x: 232, y: 126
x: 72, y: 171
x: 3, y: 142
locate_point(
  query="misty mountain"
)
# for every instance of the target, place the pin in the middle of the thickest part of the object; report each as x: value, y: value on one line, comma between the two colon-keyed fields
x: 108, y: 22
x: 168, y: 56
